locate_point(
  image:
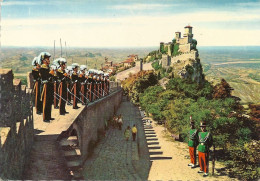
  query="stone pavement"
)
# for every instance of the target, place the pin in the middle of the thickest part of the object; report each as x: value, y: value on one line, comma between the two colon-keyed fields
x: 114, y: 158
x: 46, y: 160
x: 125, y: 74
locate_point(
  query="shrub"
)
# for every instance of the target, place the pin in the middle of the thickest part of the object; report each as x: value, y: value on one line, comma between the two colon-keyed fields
x: 245, y: 160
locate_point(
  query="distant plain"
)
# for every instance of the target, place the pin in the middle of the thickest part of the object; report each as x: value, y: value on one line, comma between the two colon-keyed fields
x: 240, y: 66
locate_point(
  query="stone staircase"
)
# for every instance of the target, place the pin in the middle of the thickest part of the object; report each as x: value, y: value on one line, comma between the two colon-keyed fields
x: 155, y: 150
x: 71, y: 152
x: 49, y: 159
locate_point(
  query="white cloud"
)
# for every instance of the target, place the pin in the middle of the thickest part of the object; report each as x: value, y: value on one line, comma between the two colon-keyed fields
x: 19, y: 3
x: 127, y: 31
x: 140, y: 6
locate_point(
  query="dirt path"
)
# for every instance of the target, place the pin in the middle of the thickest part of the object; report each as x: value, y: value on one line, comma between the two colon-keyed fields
x: 176, y: 168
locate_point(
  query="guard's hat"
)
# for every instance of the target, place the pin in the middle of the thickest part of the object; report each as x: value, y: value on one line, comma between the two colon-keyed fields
x: 35, y: 61
x: 42, y: 56
x: 74, y: 65
x: 203, y: 124
x: 83, y: 67
x: 192, y: 122
x: 91, y: 71
x: 54, y: 67
x: 69, y: 68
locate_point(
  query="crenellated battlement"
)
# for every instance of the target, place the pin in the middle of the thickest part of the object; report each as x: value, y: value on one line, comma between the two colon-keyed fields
x: 16, y: 125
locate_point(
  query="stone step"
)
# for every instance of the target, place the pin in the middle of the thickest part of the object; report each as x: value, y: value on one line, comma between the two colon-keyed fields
x: 75, y: 152
x: 151, y: 147
x: 153, y: 143
x: 74, y: 165
x: 67, y: 142
x: 155, y: 152
x: 148, y: 128
x: 151, y: 139
x: 156, y: 157
x: 76, y: 174
x: 72, y: 157
x: 149, y: 133
x: 150, y: 136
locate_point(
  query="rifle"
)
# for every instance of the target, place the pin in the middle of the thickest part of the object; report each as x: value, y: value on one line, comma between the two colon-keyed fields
x: 61, y: 98
x: 213, y: 159
x: 75, y: 96
x: 93, y: 92
x: 84, y: 96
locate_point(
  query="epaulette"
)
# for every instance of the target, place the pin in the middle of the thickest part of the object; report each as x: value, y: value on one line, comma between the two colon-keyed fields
x: 52, y: 72
x: 35, y: 69
x: 59, y: 70
x: 44, y: 66
x: 75, y: 73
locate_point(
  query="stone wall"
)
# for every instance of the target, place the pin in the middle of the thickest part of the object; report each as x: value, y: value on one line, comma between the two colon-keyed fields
x: 16, y: 125
x: 185, y: 48
x: 184, y: 56
x: 166, y: 61
x: 91, y: 121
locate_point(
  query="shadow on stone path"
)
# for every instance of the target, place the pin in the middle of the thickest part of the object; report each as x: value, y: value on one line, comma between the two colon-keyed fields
x: 114, y: 158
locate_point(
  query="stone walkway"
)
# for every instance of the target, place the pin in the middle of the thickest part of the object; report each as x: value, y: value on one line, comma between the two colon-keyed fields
x: 176, y: 168
x: 46, y: 161
x: 114, y: 158
x: 125, y: 74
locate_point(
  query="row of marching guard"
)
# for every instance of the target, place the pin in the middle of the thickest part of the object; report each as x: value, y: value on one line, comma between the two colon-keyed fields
x: 61, y: 85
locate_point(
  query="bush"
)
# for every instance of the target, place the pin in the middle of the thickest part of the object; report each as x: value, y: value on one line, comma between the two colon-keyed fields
x: 245, y: 160
x: 156, y: 65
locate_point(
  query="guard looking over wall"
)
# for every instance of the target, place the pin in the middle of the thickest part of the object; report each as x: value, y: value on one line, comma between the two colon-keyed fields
x: 63, y: 78
x: 75, y: 85
x: 82, y: 83
x: 37, y: 85
x: 46, y: 85
x: 69, y: 83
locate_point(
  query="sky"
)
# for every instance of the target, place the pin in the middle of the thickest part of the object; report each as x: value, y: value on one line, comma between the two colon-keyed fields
x: 132, y: 23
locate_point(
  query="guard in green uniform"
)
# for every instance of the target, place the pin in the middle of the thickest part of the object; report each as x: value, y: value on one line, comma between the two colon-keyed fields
x: 193, y: 142
x: 205, y: 142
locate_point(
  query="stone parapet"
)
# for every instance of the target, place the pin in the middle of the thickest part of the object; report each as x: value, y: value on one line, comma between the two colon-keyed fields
x: 16, y: 125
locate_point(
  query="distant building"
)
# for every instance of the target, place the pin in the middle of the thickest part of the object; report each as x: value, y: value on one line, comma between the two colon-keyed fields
x: 134, y: 57
x: 128, y: 62
x: 185, y: 43
x: 108, y: 63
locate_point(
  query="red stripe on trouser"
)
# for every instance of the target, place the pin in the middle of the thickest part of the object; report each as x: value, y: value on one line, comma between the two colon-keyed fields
x: 192, y: 151
x: 74, y: 97
x: 60, y: 92
x: 204, y: 160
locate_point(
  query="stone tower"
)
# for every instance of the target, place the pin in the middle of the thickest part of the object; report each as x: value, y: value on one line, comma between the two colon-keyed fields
x: 177, y: 35
x: 188, y: 33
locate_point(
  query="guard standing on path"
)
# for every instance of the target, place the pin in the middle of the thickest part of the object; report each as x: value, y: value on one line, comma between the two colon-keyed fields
x: 46, y: 85
x: 205, y: 142
x: 37, y: 85
x: 193, y: 142
x: 134, y: 132
x: 62, y: 90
